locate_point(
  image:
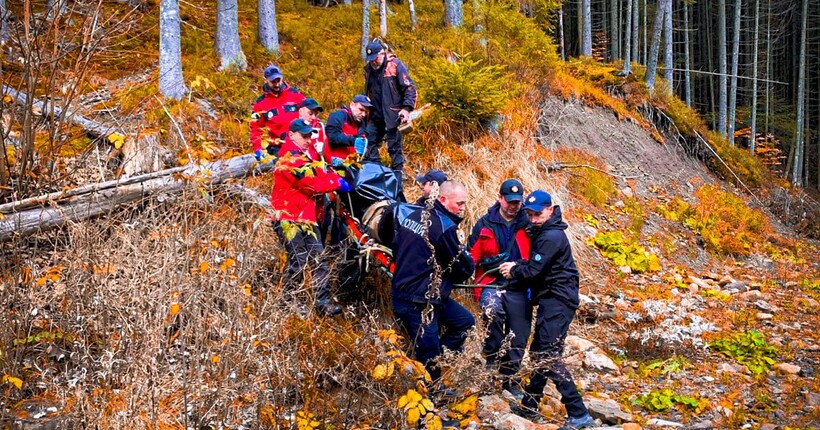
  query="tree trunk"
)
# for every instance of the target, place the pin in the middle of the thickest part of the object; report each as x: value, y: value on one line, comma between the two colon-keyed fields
x: 365, y: 27
x: 383, y: 18
x: 414, y: 22
x: 171, y: 84
x: 586, y: 10
x: 668, y: 60
x: 628, y: 40
x: 50, y: 211
x: 651, y: 66
x: 561, y: 32
x: 614, y: 30
x: 687, y: 76
x: 753, y: 136
x: 768, y: 69
x: 453, y: 13
x: 645, y: 30
x: 721, y: 119
x: 633, y: 30
x: 227, y: 36
x: 730, y: 132
x: 797, y: 172
x: 267, y: 32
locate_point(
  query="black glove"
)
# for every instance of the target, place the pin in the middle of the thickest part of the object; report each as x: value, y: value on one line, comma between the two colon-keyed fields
x: 272, y: 149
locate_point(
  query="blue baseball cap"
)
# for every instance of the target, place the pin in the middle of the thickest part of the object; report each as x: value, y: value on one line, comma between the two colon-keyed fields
x: 512, y: 190
x: 373, y: 49
x: 300, y: 126
x: 537, y: 201
x: 433, y: 175
x: 311, y: 104
x: 363, y: 99
x: 272, y: 72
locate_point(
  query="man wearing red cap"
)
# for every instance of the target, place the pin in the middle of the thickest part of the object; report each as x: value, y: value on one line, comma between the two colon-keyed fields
x: 273, y: 112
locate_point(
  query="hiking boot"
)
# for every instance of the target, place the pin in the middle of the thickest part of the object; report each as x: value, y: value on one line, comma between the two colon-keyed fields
x: 514, y: 391
x: 328, y: 309
x: 583, y: 422
x: 526, y: 412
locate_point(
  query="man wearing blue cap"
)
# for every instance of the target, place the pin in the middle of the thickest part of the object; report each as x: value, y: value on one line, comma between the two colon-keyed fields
x: 347, y: 128
x: 552, y: 277
x: 273, y: 112
x: 498, y: 236
x: 309, y: 110
x: 393, y: 95
x: 426, y: 181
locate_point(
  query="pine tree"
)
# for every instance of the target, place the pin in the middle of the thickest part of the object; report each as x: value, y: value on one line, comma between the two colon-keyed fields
x: 721, y: 119
x: 667, y: 37
x: 227, y: 36
x: 267, y: 31
x: 171, y: 84
x: 628, y: 39
x: 586, y: 10
x: 687, y: 76
x: 730, y: 133
x: 365, y: 27
x: 797, y: 166
x: 753, y: 135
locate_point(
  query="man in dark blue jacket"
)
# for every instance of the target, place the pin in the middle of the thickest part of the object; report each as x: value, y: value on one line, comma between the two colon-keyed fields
x: 393, y: 95
x: 420, y: 287
x: 553, y: 278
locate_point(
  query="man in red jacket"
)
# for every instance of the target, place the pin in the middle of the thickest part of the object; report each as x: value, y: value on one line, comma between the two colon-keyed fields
x: 309, y: 110
x: 273, y: 112
x: 500, y: 235
x: 346, y: 128
x: 300, y: 180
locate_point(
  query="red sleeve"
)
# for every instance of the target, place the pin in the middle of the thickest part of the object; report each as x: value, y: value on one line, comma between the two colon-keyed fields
x: 322, y: 182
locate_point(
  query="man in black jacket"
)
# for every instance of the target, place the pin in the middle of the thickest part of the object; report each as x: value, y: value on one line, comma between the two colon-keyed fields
x: 553, y: 278
x: 393, y: 95
x: 419, y: 286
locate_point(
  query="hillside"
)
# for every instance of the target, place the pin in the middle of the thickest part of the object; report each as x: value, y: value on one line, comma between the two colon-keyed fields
x: 699, y: 297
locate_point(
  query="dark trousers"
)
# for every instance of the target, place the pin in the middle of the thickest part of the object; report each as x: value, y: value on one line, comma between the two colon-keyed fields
x: 376, y: 132
x: 551, y: 326
x: 518, y: 313
x: 448, y: 328
x: 305, y: 251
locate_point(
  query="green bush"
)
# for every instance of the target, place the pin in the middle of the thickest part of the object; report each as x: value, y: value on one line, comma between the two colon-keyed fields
x: 661, y: 401
x: 464, y: 93
x: 625, y: 252
x: 750, y: 349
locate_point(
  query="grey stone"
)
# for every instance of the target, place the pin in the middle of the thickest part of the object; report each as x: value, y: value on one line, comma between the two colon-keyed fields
x: 490, y: 407
x: 765, y: 306
x: 594, y: 357
x: 701, y: 425
x: 813, y: 399
x: 655, y: 422
x: 764, y: 316
x: 740, y: 286
x: 606, y: 410
x: 787, y: 368
x: 769, y: 426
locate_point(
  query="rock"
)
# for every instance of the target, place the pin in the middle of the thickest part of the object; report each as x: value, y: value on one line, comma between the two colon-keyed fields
x: 621, y: 304
x: 491, y: 406
x: 711, y: 275
x: 812, y: 303
x: 513, y: 422
x: 755, y: 286
x: 625, y: 269
x: 728, y: 368
x: 765, y: 306
x: 725, y: 280
x: 768, y: 426
x: 751, y: 295
x: 789, y: 369
x: 702, y: 425
x: 585, y: 300
x: 700, y: 283
x: 627, y: 192
x: 594, y: 357
x: 693, y: 288
x: 606, y: 410
x: 655, y: 422
x: 813, y: 399
x: 620, y: 204
x: 632, y: 426
x: 764, y: 316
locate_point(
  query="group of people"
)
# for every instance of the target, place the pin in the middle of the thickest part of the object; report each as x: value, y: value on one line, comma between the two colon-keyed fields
x: 518, y: 251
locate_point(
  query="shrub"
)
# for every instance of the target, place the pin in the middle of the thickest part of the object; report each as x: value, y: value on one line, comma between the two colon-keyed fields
x: 465, y: 93
x: 726, y: 224
x: 663, y: 400
x: 625, y: 252
x: 748, y: 348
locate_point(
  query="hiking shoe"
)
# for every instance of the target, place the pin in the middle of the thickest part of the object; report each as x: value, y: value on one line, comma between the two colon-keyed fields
x: 526, y: 412
x: 583, y: 422
x: 328, y: 309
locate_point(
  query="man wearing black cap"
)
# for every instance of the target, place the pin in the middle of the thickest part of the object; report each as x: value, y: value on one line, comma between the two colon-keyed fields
x: 309, y: 110
x: 393, y: 95
x: 426, y: 182
x: 298, y: 187
x: 273, y: 111
x: 347, y: 128
x: 552, y: 277
x: 500, y: 236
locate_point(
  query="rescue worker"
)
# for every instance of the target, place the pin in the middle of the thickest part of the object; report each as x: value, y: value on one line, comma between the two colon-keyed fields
x: 273, y: 112
x: 298, y: 188
x: 553, y: 279
x: 309, y: 110
x: 427, y: 181
x: 393, y: 95
x: 498, y: 236
x: 414, y: 288
x: 347, y: 128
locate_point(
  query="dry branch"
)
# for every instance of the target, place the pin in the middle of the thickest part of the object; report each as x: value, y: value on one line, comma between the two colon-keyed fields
x: 97, y: 199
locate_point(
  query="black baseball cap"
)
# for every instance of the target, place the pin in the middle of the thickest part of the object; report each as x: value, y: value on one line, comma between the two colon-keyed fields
x: 363, y: 99
x: 311, y: 104
x: 512, y: 190
x: 300, y: 126
x: 432, y: 175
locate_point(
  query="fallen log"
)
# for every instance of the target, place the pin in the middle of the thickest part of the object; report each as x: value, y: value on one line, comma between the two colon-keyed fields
x: 93, y: 128
x: 98, y: 199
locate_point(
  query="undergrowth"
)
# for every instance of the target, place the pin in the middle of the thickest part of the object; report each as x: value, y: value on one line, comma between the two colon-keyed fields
x: 749, y: 348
